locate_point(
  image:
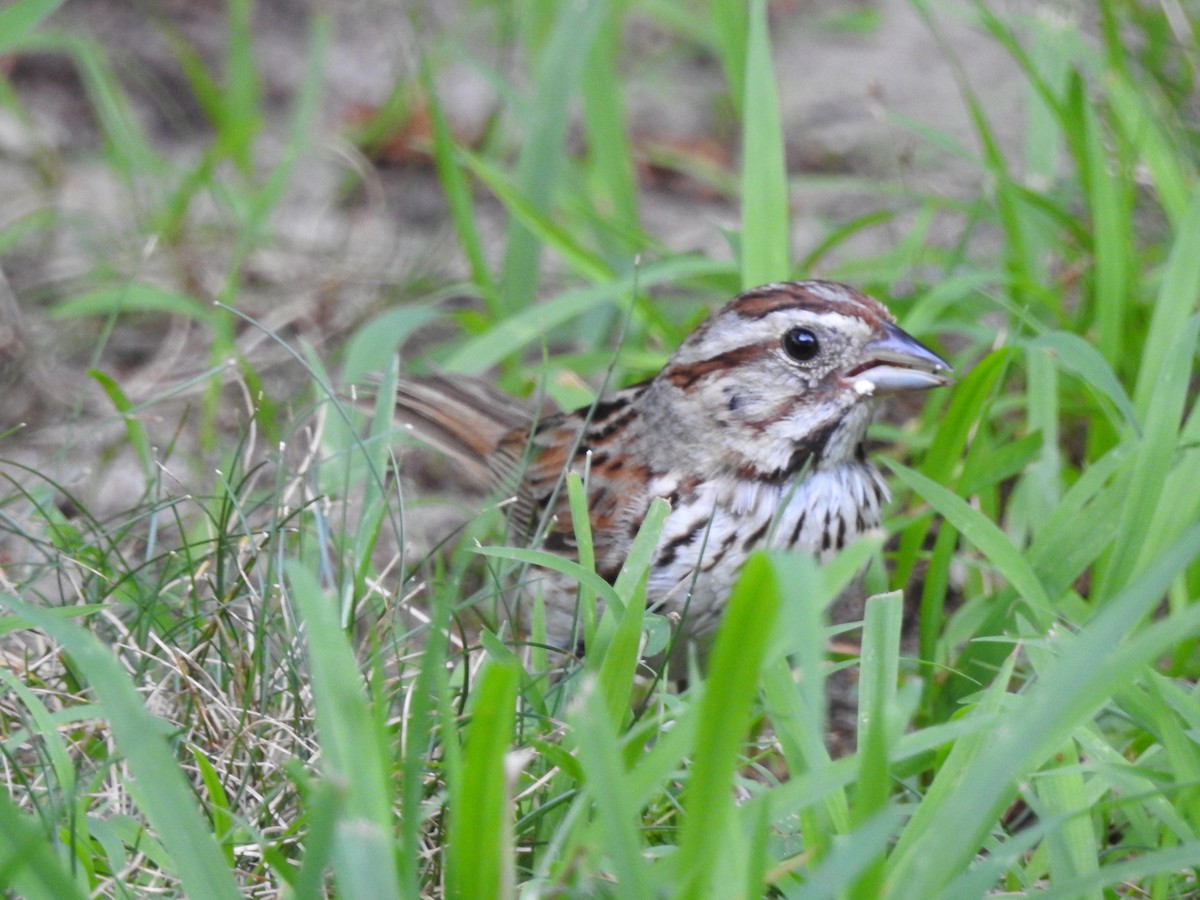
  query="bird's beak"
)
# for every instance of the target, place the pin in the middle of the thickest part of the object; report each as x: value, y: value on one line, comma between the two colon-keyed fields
x: 897, y: 361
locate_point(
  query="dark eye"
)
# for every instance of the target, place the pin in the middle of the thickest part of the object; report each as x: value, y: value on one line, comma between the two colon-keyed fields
x: 801, y: 344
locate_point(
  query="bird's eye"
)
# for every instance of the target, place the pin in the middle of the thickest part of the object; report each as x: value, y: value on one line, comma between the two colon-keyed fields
x: 801, y: 344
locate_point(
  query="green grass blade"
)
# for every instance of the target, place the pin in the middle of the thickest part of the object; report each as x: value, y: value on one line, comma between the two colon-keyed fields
x: 619, y: 654
x: 352, y: 753
x: 1062, y: 794
x: 543, y: 154
x: 479, y: 843
x: 536, y: 222
x: 610, y: 155
x: 1176, y: 301
x: 1076, y: 355
x: 1171, y: 169
x: 983, y: 534
x: 1155, y: 454
x: 705, y: 843
x: 241, y: 119
x: 218, y: 806
x: 880, y: 666
x: 428, y: 689
x: 29, y: 866
x: 797, y: 707
x: 582, y: 523
x: 1181, y: 486
x: 457, y: 190
x: 1111, y: 205
x: 133, y: 297
x: 839, y: 873
x: 972, y: 397
x: 44, y: 725
x: 607, y: 785
x: 530, y: 325
x: 163, y: 794
x: 19, y: 19
x: 766, y: 225
x: 135, y: 430
x: 921, y: 830
x: 1120, y: 875
x: 729, y: 23
x: 548, y: 560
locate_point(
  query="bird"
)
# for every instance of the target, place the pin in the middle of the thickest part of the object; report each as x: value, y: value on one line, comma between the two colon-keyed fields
x: 753, y: 431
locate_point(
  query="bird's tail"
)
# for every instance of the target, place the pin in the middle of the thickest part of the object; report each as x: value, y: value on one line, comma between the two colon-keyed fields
x: 462, y: 418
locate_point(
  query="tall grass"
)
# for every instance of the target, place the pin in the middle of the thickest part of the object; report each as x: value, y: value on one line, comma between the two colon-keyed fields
x: 254, y: 687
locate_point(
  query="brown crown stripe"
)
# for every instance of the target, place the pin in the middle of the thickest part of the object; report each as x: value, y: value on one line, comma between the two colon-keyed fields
x: 685, y: 375
x: 757, y: 304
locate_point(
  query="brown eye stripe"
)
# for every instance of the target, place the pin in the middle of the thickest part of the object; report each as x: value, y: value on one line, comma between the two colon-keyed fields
x: 687, y: 374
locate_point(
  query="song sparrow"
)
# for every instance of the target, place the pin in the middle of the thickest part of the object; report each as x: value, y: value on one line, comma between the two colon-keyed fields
x: 753, y: 431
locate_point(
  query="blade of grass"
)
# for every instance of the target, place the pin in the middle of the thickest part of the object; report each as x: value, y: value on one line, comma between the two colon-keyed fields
x: 19, y: 19
x: 797, y: 707
x: 1076, y: 355
x: 1073, y: 849
x: 419, y: 739
x: 1021, y: 264
x: 1155, y: 453
x: 985, y: 536
x: 219, y: 810
x: 1171, y: 169
x: 457, y: 191
x: 922, y: 826
x: 766, y: 227
x: 610, y: 156
x: 543, y: 154
x: 607, y: 784
x: 28, y: 864
x: 972, y: 397
x: 531, y: 324
x: 363, y: 857
x: 547, y: 560
x: 582, y: 523
x: 1110, y: 202
x: 619, y: 654
x: 536, y: 223
x: 242, y: 118
x: 135, y: 429
x: 1176, y: 301
x: 133, y: 297
x: 880, y: 666
x: 737, y: 656
x: 479, y: 842
x: 730, y: 28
